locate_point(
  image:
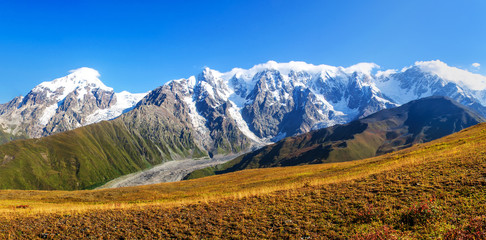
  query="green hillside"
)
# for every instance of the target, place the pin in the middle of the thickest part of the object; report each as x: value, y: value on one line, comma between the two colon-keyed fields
x: 88, y: 157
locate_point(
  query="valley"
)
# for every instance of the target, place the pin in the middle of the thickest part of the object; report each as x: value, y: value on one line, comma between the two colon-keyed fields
x: 171, y: 171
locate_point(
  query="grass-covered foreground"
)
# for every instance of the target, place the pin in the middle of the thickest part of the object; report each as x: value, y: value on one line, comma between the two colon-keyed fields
x: 433, y: 190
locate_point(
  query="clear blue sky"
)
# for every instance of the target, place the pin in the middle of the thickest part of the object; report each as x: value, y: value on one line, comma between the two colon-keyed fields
x: 139, y: 45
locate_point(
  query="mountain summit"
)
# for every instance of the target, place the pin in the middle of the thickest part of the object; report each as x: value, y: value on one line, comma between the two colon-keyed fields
x: 65, y: 103
x: 270, y: 101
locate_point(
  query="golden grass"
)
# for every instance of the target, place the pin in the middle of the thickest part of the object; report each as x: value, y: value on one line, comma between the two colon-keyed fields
x: 238, y: 184
x: 338, y: 200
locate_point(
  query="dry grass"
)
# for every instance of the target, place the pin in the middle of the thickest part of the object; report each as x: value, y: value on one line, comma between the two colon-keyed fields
x: 305, y: 201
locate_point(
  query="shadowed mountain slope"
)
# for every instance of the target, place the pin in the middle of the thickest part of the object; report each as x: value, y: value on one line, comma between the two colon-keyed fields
x: 393, y: 129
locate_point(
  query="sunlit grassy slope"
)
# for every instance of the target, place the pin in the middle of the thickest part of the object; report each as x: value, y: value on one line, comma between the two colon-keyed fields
x: 432, y: 190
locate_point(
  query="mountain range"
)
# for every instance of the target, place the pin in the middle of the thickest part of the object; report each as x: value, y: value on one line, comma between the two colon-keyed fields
x: 386, y: 131
x: 213, y: 113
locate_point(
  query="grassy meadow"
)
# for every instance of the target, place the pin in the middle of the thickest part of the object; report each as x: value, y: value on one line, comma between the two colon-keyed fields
x: 431, y: 190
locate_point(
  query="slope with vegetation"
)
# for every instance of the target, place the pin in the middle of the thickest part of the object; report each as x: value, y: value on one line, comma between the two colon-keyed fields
x: 86, y: 157
x: 431, y: 190
x: 389, y: 130
x: 159, y: 130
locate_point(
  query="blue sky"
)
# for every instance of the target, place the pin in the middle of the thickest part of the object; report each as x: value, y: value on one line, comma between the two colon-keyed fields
x: 139, y: 45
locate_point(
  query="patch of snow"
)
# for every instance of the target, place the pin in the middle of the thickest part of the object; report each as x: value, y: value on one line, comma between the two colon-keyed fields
x: 238, y: 100
x: 365, y: 68
x: 391, y: 88
x: 82, y: 92
x: 191, y: 81
x: 198, y: 121
x: 480, y: 96
x: 208, y: 89
x: 386, y: 73
x: 235, y: 113
x: 48, y: 113
x: 125, y: 101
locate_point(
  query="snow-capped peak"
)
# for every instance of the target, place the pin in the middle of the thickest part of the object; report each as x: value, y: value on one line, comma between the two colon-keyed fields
x: 461, y: 77
x: 283, y: 68
x: 78, y: 78
x: 299, y: 66
x: 386, y: 73
x: 65, y: 103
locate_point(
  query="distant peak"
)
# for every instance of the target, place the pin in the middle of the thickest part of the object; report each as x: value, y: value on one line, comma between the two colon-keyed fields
x: 211, y: 73
x: 80, y: 77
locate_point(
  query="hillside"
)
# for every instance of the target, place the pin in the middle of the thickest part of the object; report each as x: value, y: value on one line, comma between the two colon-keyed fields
x: 7, y: 137
x: 389, y: 130
x: 431, y: 190
x: 90, y: 156
x: 87, y: 157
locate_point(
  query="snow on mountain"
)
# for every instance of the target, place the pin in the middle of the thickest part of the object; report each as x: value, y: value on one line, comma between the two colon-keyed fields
x: 263, y: 103
x: 434, y: 78
x: 459, y: 76
x: 125, y: 102
x: 273, y: 99
x: 78, y: 79
x: 65, y: 103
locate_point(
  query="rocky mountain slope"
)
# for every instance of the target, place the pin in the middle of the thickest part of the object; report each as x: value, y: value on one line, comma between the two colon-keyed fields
x: 213, y: 113
x: 388, y: 130
x: 269, y: 101
x: 274, y: 100
x: 434, y: 78
x: 255, y: 106
x: 66, y: 103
